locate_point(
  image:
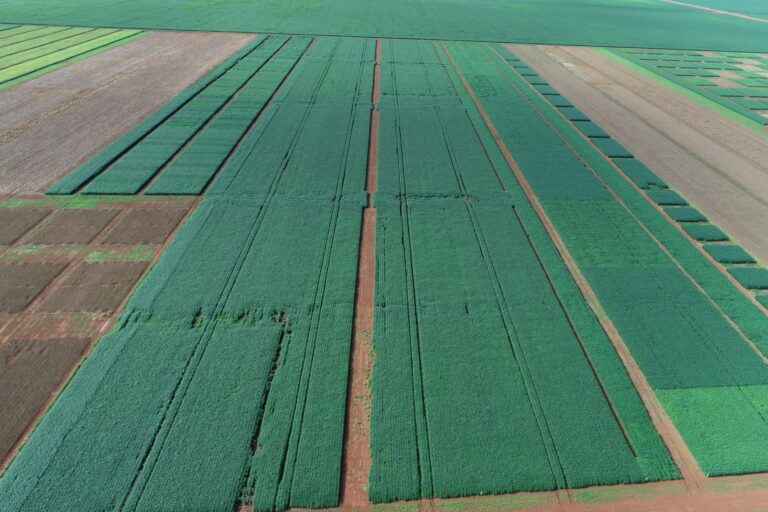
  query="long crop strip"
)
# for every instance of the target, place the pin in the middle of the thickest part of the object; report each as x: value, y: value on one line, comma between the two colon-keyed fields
x: 27, y: 51
x: 474, y: 348
x: 689, y: 340
x: 226, y: 378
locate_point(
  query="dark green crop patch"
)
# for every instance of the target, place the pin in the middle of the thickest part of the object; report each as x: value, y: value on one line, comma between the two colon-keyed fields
x: 754, y: 278
x: 705, y: 232
x: 667, y: 198
x: 729, y: 253
x: 686, y: 214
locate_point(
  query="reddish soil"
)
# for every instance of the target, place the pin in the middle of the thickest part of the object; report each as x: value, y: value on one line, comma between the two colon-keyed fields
x: 29, y: 372
x: 56, y: 293
x: 357, y: 436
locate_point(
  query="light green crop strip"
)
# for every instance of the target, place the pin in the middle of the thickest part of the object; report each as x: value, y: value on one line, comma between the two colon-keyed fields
x: 13, y: 46
x: 27, y: 36
x: 66, y: 57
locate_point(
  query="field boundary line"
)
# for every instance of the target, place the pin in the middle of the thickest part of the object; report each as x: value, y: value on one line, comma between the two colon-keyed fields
x: 356, y: 455
x: 155, y: 119
x: 214, y: 116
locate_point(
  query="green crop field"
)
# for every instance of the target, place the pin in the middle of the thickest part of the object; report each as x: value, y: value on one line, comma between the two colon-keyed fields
x: 639, y: 23
x: 545, y: 312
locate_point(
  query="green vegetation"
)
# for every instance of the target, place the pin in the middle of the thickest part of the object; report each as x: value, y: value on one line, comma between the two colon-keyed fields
x: 477, y: 345
x: 188, y: 140
x: 679, y: 335
x: 729, y: 253
x: 644, y: 23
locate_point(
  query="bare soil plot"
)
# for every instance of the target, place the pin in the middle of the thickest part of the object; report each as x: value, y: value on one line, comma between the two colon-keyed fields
x: 20, y: 283
x: 95, y: 287
x: 14, y: 222
x: 720, y: 166
x: 88, y: 104
x: 144, y: 227
x: 72, y: 227
x: 29, y: 371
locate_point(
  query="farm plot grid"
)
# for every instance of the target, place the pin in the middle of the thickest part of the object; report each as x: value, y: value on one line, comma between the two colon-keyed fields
x: 502, y: 300
x: 735, y: 80
x: 27, y: 51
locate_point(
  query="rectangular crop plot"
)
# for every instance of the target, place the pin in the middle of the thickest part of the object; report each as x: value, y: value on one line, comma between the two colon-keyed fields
x: 15, y: 222
x: 145, y: 226
x: 73, y: 226
x: 735, y: 98
x: 30, y: 53
x: 95, y: 287
x: 21, y: 283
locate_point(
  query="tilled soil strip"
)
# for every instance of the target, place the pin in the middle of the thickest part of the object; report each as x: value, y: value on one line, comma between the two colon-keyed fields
x: 677, y: 262
x: 357, y: 436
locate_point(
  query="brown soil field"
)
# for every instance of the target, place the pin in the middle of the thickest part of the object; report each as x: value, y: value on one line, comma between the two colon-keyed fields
x: 16, y: 222
x: 21, y: 283
x: 72, y: 227
x: 90, y: 103
x: 29, y: 371
x: 144, y: 227
x: 95, y: 287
